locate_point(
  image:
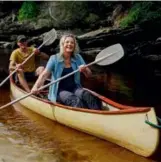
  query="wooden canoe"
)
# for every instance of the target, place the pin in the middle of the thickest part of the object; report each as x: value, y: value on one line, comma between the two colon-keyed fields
x: 120, y: 124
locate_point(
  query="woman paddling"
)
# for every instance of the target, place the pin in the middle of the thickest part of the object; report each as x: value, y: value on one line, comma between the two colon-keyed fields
x: 68, y: 91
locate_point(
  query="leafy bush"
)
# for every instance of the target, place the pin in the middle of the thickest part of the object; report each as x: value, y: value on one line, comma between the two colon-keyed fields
x: 28, y: 10
x: 141, y: 12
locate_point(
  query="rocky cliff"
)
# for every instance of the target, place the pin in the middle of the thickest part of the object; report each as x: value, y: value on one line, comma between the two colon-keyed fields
x: 96, y: 25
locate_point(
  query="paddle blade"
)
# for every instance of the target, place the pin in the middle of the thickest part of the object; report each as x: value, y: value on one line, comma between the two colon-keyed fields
x: 49, y: 37
x: 110, y: 55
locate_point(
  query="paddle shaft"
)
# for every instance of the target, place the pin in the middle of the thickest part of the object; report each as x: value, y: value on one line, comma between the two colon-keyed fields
x: 53, y: 82
x: 23, y: 62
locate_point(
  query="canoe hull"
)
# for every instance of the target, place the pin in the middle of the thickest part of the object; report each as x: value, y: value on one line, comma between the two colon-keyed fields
x: 127, y: 130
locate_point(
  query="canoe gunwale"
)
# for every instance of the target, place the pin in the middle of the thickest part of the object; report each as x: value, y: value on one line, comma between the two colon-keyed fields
x: 122, y: 109
x: 113, y: 103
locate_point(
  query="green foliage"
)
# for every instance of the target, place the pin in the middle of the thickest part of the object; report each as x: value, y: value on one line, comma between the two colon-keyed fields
x: 28, y: 10
x: 141, y: 12
x: 131, y: 18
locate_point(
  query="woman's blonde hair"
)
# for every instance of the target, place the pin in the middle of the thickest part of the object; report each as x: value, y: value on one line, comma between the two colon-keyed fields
x: 61, y: 43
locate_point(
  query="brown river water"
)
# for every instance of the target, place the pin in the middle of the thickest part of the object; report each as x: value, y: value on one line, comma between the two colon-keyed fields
x: 26, y: 136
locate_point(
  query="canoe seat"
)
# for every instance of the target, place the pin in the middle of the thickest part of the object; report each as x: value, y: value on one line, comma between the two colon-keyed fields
x: 105, y: 106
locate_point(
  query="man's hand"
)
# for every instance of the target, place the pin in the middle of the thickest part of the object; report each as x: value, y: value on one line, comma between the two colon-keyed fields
x: 36, y: 51
x: 19, y: 68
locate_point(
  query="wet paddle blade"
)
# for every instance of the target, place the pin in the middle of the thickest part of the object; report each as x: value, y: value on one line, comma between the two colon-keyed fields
x: 110, y: 55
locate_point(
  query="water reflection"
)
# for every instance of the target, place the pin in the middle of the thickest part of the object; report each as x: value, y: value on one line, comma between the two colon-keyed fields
x: 112, y: 85
x: 13, y: 145
x: 72, y: 145
x: 40, y: 139
x: 4, y: 62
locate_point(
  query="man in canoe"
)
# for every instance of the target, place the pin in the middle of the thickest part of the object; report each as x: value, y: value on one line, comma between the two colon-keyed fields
x: 27, y: 71
x: 69, y: 90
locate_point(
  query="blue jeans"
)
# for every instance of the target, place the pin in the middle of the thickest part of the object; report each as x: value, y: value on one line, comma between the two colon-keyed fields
x: 79, y: 98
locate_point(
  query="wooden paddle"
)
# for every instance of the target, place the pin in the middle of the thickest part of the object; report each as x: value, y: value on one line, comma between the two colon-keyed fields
x: 106, y: 57
x: 48, y: 39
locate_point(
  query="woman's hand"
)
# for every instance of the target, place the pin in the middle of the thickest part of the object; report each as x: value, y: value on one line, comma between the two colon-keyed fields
x: 39, y: 70
x: 35, y: 90
x: 85, y: 70
x: 40, y: 81
x: 82, y: 68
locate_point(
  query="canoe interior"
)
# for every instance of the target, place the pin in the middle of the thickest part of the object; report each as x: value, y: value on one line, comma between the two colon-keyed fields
x: 108, y: 106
